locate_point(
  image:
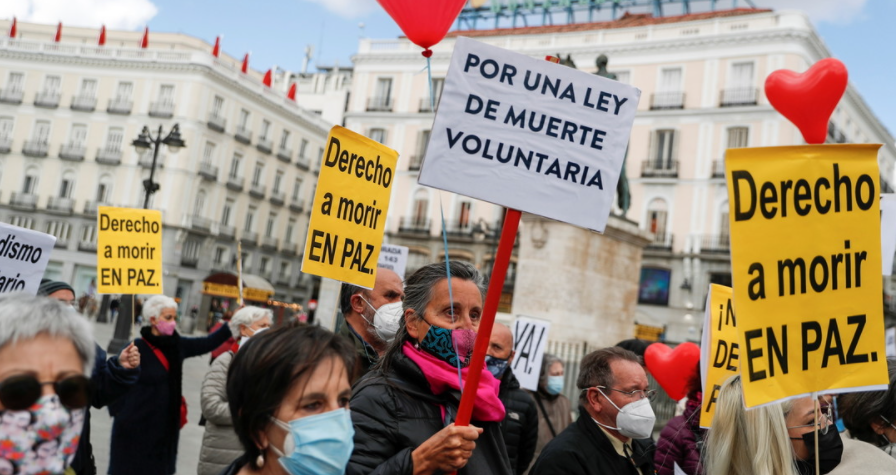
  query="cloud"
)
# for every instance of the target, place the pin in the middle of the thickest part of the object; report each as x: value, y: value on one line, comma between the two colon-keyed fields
x: 115, y: 14
x: 840, y: 12
x: 348, y: 8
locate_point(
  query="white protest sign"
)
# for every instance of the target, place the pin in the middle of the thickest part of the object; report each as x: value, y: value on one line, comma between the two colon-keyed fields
x: 530, y: 135
x: 888, y: 231
x: 530, y: 337
x: 394, y: 258
x: 24, y: 255
x: 890, y: 334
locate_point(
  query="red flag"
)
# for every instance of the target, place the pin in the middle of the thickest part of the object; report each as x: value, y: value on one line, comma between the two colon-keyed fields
x: 292, y: 92
x: 245, y: 68
x: 267, y: 78
x: 13, y: 28
x: 216, y: 51
x: 144, y: 43
x: 58, y: 37
x: 102, y: 39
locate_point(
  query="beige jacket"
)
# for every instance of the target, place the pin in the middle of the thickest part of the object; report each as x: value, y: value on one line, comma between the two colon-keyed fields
x: 861, y: 458
x: 220, y: 445
x: 560, y: 412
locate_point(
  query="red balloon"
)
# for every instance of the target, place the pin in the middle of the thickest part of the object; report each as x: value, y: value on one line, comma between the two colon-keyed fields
x: 425, y: 22
x: 808, y: 99
x: 673, y: 369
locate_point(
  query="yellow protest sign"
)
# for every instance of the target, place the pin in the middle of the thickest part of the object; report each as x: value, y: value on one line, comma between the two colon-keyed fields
x: 129, y: 251
x: 806, y: 267
x: 348, y: 216
x: 719, y: 350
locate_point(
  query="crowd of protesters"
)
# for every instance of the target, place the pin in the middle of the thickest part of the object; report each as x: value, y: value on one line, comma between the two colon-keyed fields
x: 381, y: 394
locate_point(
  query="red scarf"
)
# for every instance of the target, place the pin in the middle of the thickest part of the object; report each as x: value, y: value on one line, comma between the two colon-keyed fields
x: 443, y: 377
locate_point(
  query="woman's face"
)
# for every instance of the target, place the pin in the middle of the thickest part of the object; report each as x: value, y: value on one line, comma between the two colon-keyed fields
x: 324, y: 389
x: 556, y: 369
x: 50, y: 358
x: 467, y: 308
x: 255, y: 326
x: 166, y: 315
x: 804, y: 414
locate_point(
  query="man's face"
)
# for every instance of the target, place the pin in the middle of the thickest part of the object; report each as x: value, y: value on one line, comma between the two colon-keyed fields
x: 65, y: 296
x: 387, y: 289
x: 501, y: 343
x: 627, y: 376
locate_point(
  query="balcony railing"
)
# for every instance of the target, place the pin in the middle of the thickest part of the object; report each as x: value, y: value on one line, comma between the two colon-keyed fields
x: 90, y: 207
x: 715, y: 243
x: 459, y: 228
x: 416, y: 162
x: 664, y: 169
x: 109, y: 156
x: 270, y: 242
x: 284, y: 154
x: 162, y: 109
x: 226, y: 231
x: 48, y: 99
x: 667, y: 100
x: 264, y: 145
x: 425, y: 105
x: 11, y: 96
x: 208, y: 171
x: 379, y: 104
x: 257, y: 190
x: 120, y: 105
x: 243, y: 134
x: 414, y: 226
x: 277, y: 198
x: 84, y: 103
x: 738, y: 96
x: 718, y: 168
x: 200, y: 223
x: 61, y: 205
x: 661, y: 241
x: 249, y: 237
x: 235, y: 183
x: 297, y: 205
x: 87, y: 245
x: 5, y: 144
x: 303, y: 163
x: 189, y: 261
x: 23, y: 200
x: 34, y: 148
x: 72, y: 152
x: 216, y: 122
x: 283, y: 279
x: 61, y: 242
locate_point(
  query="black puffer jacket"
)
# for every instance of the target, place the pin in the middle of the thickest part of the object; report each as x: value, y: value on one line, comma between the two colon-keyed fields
x: 394, y: 413
x: 520, y: 425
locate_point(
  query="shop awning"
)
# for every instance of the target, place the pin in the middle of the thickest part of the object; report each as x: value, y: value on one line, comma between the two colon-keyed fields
x: 225, y: 284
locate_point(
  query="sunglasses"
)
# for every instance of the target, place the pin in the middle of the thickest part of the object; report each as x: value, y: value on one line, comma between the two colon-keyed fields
x: 20, y: 392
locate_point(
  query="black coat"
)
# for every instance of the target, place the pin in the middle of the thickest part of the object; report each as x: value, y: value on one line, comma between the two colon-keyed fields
x: 395, y: 412
x: 142, y: 442
x: 583, y: 449
x: 520, y: 424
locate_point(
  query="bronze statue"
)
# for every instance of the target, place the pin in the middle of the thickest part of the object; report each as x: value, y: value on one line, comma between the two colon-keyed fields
x: 623, y: 196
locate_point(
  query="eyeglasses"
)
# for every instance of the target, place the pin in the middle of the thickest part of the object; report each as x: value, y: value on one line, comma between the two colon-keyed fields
x: 640, y: 393
x: 824, y: 422
x: 20, y: 392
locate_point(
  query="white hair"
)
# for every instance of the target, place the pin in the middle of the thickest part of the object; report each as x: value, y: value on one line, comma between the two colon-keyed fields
x: 247, y: 316
x: 23, y: 317
x: 154, y: 306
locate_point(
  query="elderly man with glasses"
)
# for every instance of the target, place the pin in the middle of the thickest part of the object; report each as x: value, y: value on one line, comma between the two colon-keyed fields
x: 612, y: 433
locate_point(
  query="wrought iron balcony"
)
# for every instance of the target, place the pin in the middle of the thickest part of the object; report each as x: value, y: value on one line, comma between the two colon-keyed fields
x: 414, y: 225
x: 23, y: 200
x: 5, y: 144
x: 208, y: 171
x: 84, y: 103
x: 715, y: 244
x: 264, y: 145
x: 226, y: 231
x: 426, y: 105
x: 249, y: 237
x: 718, y: 168
x: 257, y: 190
x: 120, y: 105
x: 90, y: 207
x: 217, y: 122
x: 284, y: 154
x: 243, y: 134
x: 416, y: 162
x: 199, y: 223
x: 663, y: 169
x: 73, y: 152
x: 108, y: 156
x: 459, y: 228
x: 60, y: 205
x: 661, y: 241
x: 277, y: 198
x: 35, y: 148
x: 667, y: 100
x: 87, y: 245
x: 235, y: 183
x: 303, y: 163
x: 379, y: 104
x: 162, y: 109
x: 271, y: 243
x: 738, y: 96
x: 189, y: 261
x: 11, y: 96
x: 297, y: 205
x: 61, y: 243
x: 47, y: 99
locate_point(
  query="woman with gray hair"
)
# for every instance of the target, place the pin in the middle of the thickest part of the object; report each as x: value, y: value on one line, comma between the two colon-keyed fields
x: 403, y: 411
x: 149, y: 418
x: 46, y: 352
x: 870, y: 416
x: 220, y: 444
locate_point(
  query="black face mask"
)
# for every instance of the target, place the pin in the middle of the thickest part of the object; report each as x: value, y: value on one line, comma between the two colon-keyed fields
x: 830, y: 449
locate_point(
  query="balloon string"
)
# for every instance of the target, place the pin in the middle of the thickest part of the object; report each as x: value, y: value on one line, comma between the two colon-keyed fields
x: 432, y: 96
x: 460, y: 379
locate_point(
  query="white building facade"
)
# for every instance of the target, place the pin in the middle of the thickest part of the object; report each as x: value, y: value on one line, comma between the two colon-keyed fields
x: 69, y: 111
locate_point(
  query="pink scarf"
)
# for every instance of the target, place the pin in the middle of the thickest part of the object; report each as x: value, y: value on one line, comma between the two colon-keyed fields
x: 443, y: 377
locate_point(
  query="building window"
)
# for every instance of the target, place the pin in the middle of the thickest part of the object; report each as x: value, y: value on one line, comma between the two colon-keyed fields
x: 6, y: 125
x: 88, y: 233
x: 463, y: 214
x: 421, y: 207
x: 217, y: 106
x: 720, y: 278
x: 284, y: 269
x: 244, y: 119
x: 88, y: 89
x: 664, y: 149
x: 114, y: 139
x: 378, y: 135
x: 278, y: 178
x: 284, y: 140
x: 199, y: 204
x: 66, y: 185
x: 124, y: 91
x: 654, y: 286
x: 225, y: 214
x: 265, y: 128
x: 382, y: 96
x: 220, y: 255
x: 656, y: 219
x: 256, y: 175
x: 290, y: 227
x: 738, y: 137
x: 22, y: 222
x: 269, y: 228
x: 296, y: 189
x: 265, y: 264
x: 249, y: 217
x: 61, y: 229
x: 104, y: 189
x: 235, y: 165
x: 437, y: 85
x: 191, y: 249
x: 208, y: 152
x: 15, y: 83
x: 29, y: 184
x: 52, y: 85
x: 41, y: 133
x: 303, y: 148
x: 320, y: 156
x: 625, y: 77
x: 166, y: 94
x: 78, y: 136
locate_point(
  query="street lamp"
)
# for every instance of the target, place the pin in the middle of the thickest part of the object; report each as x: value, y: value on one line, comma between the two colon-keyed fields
x: 143, y: 143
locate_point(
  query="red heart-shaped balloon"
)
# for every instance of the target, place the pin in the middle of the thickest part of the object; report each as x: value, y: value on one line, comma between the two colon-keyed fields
x: 808, y: 99
x: 673, y: 369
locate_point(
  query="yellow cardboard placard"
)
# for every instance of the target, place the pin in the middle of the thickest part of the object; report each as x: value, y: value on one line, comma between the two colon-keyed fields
x: 348, y: 216
x: 806, y: 266
x: 129, y: 251
x: 720, y: 351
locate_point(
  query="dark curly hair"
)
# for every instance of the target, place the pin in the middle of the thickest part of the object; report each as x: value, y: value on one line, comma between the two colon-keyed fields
x: 860, y: 410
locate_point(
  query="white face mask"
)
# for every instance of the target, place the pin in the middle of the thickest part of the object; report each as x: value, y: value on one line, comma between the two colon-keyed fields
x: 635, y: 420
x: 244, y: 339
x: 386, y: 319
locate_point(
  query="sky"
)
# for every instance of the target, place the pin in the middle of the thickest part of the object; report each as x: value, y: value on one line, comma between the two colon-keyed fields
x: 858, y: 32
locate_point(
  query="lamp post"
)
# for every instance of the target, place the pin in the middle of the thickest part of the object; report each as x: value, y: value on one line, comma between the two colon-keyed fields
x: 142, y: 144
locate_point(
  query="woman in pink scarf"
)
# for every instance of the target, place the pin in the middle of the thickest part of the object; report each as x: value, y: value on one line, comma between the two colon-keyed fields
x: 403, y: 411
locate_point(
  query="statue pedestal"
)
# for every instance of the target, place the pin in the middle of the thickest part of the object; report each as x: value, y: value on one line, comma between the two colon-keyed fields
x: 585, y: 283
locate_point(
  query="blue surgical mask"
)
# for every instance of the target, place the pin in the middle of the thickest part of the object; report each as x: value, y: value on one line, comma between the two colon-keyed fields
x: 555, y: 385
x: 318, y: 444
x: 441, y: 343
x: 496, y: 366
